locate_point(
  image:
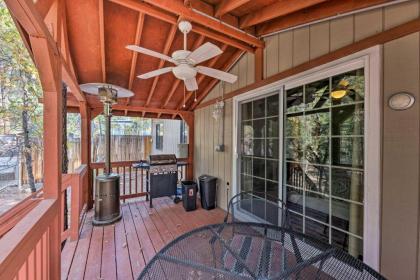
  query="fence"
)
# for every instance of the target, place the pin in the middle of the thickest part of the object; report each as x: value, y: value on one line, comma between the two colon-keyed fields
x: 123, y: 148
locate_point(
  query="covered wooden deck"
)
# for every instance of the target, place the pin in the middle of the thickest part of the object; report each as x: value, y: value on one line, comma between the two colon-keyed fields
x: 120, y: 251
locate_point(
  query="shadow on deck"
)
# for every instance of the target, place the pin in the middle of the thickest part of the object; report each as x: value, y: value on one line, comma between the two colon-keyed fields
x: 120, y: 251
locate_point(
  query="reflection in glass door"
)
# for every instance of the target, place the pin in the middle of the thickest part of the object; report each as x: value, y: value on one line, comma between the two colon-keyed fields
x: 259, y: 154
x: 323, y: 174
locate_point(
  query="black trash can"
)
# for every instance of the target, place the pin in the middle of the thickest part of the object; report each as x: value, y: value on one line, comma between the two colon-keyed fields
x: 208, y: 191
x: 189, y: 195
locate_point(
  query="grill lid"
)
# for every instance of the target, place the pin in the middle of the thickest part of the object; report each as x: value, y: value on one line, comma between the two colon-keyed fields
x: 162, y: 159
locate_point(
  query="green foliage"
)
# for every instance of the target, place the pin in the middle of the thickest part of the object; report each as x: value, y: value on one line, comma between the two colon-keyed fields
x: 20, y: 88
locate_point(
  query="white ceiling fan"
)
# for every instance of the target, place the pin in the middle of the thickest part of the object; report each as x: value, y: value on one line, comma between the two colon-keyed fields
x: 185, y: 61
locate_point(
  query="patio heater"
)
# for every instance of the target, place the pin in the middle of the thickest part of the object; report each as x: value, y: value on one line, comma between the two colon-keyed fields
x: 107, y: 190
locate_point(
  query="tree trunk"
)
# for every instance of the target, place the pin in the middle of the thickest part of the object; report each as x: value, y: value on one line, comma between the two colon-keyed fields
x: 27, y: 144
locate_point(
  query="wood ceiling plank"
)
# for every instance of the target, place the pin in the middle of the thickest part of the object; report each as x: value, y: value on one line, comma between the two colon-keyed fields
x: 164, y: 16
x: 188, y: 14
x: 167, y: 48
x: 280, y: 8
x: 213, y: 83
x: 177, y: 83
x: 228, y: 5
x: 316, y: 13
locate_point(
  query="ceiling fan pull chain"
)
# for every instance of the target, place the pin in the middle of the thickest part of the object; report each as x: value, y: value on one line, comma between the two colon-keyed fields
x: 195, y: 96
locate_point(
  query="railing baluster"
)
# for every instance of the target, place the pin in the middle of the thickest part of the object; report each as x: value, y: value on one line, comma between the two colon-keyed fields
x: 135, y: 170
x: 141, y: 180
x: 129, y: 175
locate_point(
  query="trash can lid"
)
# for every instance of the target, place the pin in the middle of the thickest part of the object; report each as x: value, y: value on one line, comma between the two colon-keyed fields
x: 188, y: 183
x: 207, y: 178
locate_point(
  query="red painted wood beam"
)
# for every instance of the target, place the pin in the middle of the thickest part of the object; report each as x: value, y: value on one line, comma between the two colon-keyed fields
x: 227, y: 6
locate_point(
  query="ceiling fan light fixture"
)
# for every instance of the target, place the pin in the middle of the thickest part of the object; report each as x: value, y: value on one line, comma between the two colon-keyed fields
x: 341, y: 90
x: 184, y: 72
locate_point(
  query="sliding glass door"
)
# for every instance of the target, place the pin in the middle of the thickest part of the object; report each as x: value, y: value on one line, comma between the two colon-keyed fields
x: 323, y: 175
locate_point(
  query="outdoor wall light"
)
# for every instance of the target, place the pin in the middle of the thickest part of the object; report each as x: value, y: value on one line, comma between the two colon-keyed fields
x: 401, y: 101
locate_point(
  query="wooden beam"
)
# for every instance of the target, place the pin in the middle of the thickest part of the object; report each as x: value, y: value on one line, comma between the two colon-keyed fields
x: 201, y: 78
x: 227, y: 6
x: 213, y: 83
x: 377, y: 39
x: 166, y: 49
x: 85, y: 116
x: 278, y: 9
x: 189, y: 14
x: 177, y: 83
x: 102, y: 39
x: 164, y: 16
x: 139, y: 31
x: 315, y: 13
x: 259, y: 64
x: 144, y: 109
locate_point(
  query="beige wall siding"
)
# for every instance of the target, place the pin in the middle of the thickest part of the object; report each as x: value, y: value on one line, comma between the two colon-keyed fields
x: 400, y: 195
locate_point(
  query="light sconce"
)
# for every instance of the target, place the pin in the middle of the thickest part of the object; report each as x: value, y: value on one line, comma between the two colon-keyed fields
x: 401, y: 101
x: 341, y: 90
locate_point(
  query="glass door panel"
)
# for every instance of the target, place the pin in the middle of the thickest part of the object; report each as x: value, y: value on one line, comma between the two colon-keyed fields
x: 259, y: 155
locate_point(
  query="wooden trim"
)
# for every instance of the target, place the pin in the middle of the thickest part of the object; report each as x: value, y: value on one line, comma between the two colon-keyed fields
x: 189, y: 120
x: 144, y: 109
x: 164, y: 16
x: 210, y: 86
x: 278, y: 9
x: 378, y: 39
x: 227, y: 6
x: 166, y: 49
x: 315, y: 13
x: 178, y: 8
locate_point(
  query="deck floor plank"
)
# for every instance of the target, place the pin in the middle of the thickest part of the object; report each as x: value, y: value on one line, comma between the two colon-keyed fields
x: 134, y: 248
x: 145, y: 241
x: 109, y: 268
x: 122, y: 257
x: 93, y: 264
x: 77, y: 269
x: 120, y: 251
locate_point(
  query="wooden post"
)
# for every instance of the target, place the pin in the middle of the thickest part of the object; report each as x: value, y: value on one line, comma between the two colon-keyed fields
x: 188, y: 117
x: 85, y: 116
x: 259, y: 64
x: 49, y: 67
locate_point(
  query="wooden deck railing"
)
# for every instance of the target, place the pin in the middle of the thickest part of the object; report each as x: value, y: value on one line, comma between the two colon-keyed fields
x: 26, y: 249
x: 132, y: 180
x: 26, y: 230
x: 10, y: 218
x: 76, y: 186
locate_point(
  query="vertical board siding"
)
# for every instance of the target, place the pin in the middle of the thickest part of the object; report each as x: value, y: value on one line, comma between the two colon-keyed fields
x: 400, y: 226
x: 400, y: 195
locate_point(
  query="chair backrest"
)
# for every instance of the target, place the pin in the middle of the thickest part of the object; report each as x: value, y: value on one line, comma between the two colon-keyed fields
x: 251, y: 206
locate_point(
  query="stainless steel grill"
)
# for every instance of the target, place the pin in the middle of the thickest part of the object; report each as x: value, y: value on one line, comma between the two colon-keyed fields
x: 162, y: 176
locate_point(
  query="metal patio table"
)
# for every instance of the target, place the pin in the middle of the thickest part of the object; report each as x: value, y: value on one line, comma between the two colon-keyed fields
x: 252, y: 251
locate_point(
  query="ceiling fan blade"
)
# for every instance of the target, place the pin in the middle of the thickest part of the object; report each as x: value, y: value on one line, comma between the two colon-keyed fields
x: 204, y: 52
x: 224, y: 76
x: 155, y: 73
x: 151, y: 53
x: 191, y: 84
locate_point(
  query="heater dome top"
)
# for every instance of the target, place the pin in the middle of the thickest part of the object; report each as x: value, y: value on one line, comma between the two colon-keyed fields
x: 93, y: 88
